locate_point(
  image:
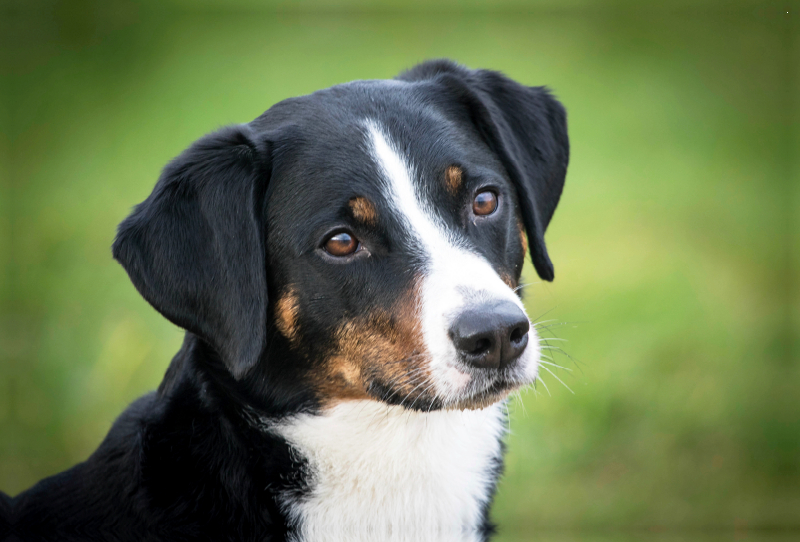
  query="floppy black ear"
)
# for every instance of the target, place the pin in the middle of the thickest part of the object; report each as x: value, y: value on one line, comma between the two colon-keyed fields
x: 526, y: 128
x: 194, y: 247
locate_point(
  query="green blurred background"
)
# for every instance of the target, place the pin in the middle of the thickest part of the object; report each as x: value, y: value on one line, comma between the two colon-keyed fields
x: 675, y: 244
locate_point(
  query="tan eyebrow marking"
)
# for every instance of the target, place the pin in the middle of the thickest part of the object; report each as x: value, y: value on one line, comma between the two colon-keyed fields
x: 286, y: 311
x: 523, y: 238
x: 509, y: 280
x: 453, y: 177
x: 364, y: 210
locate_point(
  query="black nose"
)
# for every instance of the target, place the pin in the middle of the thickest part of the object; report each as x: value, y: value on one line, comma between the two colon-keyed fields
x: 490, y: 336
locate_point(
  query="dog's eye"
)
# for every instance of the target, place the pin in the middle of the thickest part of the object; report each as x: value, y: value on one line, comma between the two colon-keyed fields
x: 484, y: 203
x: 341, y: 244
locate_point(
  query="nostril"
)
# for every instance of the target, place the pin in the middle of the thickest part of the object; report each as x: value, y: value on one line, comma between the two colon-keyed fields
x: 481, y: 346
x: 519, y: 331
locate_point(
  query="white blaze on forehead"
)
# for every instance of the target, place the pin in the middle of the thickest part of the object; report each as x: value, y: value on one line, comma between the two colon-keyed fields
x: 402, y: 193
x: 452, y: 275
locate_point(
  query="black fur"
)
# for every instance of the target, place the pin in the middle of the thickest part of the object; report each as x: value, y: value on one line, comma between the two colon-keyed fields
x: 194, y: 248
x: 232, y: 222
x: 526, y: 128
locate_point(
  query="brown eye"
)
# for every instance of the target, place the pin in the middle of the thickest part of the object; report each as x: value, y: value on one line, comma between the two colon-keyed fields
x: 341, y: 244
x: 484, y: 203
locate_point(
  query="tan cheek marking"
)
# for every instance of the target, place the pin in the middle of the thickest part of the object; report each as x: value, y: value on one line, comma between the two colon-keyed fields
x: 453, y: 177
x: 364, y: 210
x: 286, y: 311
x: 384, y: 346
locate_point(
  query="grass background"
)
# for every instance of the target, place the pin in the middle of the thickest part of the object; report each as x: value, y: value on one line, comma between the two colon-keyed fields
x: 675, y: 244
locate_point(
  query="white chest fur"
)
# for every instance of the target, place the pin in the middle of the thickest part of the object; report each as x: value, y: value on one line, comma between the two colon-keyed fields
x: 383, y: 468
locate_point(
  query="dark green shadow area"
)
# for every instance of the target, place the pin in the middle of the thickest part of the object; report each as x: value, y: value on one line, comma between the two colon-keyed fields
x: 675, y: 244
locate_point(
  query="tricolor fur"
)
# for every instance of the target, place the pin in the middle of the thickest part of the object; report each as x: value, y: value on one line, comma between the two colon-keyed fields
x: 346, y: 267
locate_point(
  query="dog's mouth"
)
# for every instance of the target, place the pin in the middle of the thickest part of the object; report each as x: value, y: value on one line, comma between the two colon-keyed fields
x: 484, y: 388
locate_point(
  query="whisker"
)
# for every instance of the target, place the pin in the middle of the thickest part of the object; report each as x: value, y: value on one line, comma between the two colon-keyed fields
x: 420, y: 394
x: 540, y: 379
x: 430, y: 406
x: 560, y: 350
x: 556, y: 377
x: 409, y: 374
x: 559, y: 323
x: 555, y: 365
x: 406, y: 359
x: 410, y: 379
x: 540, y: 323
x: 412, y: 391
x: 508, y: 418
x: 393, y: 393
x: 418, y: 380
x: 543, y: 314
x: 518, y: 398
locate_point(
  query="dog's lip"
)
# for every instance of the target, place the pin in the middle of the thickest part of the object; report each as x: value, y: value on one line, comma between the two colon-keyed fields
x: 498, y: 385
x: 496, y: 391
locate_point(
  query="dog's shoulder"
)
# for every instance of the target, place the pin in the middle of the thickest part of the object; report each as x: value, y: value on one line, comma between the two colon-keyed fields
x: 85, y: 498
x: 170, y: 468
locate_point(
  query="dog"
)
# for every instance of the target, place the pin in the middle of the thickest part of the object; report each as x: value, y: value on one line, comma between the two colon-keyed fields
x: 346, y: 267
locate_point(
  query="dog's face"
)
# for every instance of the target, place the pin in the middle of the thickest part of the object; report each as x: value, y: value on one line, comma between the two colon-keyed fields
x: 390, y: 248
x: 362, y: 242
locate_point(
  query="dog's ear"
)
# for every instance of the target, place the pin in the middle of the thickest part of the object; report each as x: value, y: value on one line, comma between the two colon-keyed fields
x: 525, y: 127
x: 194, y: 248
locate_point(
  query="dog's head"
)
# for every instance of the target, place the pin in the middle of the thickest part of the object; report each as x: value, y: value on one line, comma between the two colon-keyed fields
x: 362, y: 242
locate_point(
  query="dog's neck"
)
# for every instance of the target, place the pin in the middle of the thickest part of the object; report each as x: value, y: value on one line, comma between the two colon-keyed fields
x: 198, y: 362
x: 383, y: 468
x: 365, y: 466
